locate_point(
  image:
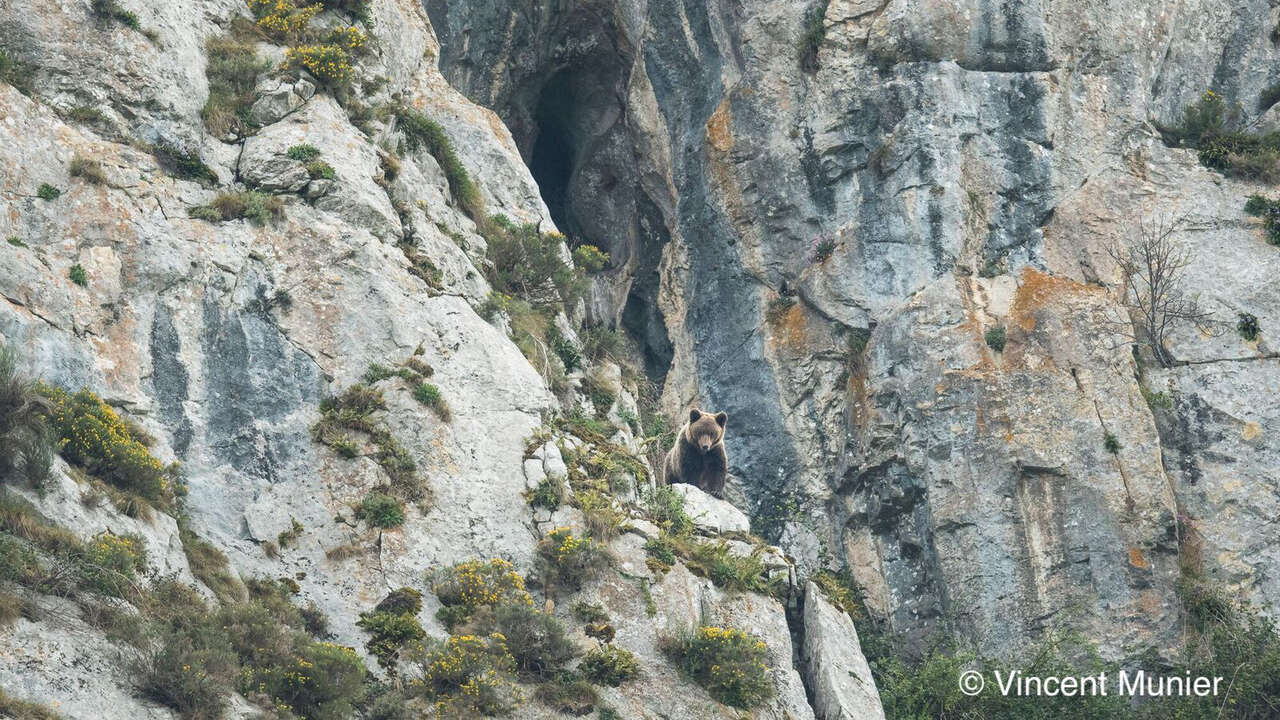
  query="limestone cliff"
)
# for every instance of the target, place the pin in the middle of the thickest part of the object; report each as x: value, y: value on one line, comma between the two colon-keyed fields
x: 815, y: 217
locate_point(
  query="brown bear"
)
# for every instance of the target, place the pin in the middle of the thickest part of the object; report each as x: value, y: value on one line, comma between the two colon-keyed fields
x: 698, y: 456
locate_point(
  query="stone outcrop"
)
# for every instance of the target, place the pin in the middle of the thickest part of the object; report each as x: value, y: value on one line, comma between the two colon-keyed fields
x: 836, y: 670
x: 831, y: 243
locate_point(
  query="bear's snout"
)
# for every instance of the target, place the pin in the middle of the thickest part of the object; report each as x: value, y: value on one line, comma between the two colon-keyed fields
x: 704, y: 444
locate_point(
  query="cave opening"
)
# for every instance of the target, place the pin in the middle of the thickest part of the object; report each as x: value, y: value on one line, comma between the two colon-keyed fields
x: 554, y: 154
x: 580, y: 152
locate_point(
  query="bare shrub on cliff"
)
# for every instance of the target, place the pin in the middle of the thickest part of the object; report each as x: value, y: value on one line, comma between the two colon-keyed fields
x: 1152, y: 266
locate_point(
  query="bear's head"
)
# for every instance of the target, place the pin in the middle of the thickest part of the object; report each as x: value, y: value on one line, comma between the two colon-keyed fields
x: 705, y: 430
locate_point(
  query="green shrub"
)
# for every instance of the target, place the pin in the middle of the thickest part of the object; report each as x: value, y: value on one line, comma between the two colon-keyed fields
x: 320, y: 170
x: 198, y: 656
x: 182, y: 163
x: 586, y: 612
x: 304, y: 153
x: 110, y: 10
x: 1111, y: 443
x: 1247, y: 326
x: 778, y: 308
x: 466, y: 675
x: 1212, y: 127
x: 528, y: 264
x: 78, y: 276
x: 603, y: 517
x: 823, y: 249
x: 430, y: 395
x: 995, y: 338
x: 665, y: 508
x: 567, y: 561
x: 87, y: 169
x: 564, y: 349
x: 26, y: 450
x: 729, y: 663
x: 94, y: 437
x: 112, y: 562
x: 423, y: 132
x: 609, y: 665
x: 1269, y: 96
x: 402, y: 601
x: 232, y: 72
x: 536, y: 640
x: 257, y: 207
x: 15, y: 241
x: 466, y: 587
x: 381, y: 510
x: 568, y: 693
x: 48, y: 192
x: 548, y: 494
x: 393, y: 626
x: 1269, y: 211
x: 590, y: 258
x: 715, y: 560
x: 812, y: 35
x: 840, y: 591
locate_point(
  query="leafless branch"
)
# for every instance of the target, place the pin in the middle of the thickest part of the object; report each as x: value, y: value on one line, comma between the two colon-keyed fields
x: 1152, y: 266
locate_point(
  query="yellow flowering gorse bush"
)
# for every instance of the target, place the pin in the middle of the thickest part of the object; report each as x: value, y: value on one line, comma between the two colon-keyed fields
x: 94, y: 437
x: 729, y: 663
x: 468, y: 674
x: 465, y: 587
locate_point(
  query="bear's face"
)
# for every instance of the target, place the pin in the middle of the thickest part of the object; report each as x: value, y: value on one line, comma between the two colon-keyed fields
x: 704, y: 429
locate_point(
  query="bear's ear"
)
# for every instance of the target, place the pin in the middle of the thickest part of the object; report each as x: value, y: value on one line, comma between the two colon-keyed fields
x: 694, y: 414
x: 721, y: 418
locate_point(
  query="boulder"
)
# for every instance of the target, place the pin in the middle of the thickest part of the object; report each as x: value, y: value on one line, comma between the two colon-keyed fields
x: 836, y: 671
x: 711, y: 515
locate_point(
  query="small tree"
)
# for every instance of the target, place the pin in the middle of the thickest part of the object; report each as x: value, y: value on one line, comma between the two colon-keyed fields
x: 1152, y: 266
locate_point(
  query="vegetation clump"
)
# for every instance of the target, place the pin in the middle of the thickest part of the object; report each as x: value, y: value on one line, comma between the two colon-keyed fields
x: 995, y: 338
x: 467, y: 587
x: 421, y: 131
x: 812, y: 35
x: 729, y: 663
x: 567, y: 561
x: 381, y: 510
x: 48, y: 192
x: 393, y: 626
x: 93, y: 437
x: 1247, y: 326
x: 609, y: 665
x: 26, y: 448
x: 1213, y: 127
x: 87, y: 169
x: 76, y: 274
x: 257, y: 207
x: 232, y: 71
x: 1269, y: 210
x: 467, y: 675
x: 351, y: 413
x: 16, y: 73
x: 111, y: 10
x: 430, y: 395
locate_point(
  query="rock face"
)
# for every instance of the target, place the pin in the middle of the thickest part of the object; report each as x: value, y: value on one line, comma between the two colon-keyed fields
x: 222, y: 339
x: 822, y: 236
x: 836, y: 670
x: 711, y: 514
x: 822, y: 250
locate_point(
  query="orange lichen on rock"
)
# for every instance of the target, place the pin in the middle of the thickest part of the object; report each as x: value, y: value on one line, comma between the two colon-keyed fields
x: 1037, y: 289
x: 720, y: 127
